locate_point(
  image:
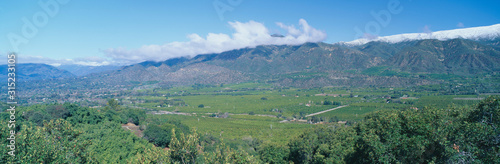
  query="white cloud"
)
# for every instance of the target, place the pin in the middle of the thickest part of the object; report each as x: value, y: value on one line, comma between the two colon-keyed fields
x: 249, y: 34
x: 460, y: 25
x: 474, y: 33
x: 87, y: 61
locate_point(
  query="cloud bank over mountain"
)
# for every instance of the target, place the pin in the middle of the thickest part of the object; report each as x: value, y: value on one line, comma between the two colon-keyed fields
x: 250, y: 34
x: 474, y: 33
x: 246, y: 34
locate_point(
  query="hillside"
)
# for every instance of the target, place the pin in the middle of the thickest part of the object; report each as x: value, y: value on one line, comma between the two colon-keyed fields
x: 319, y: 64
x: 33, y: 71
x: 381, y: 64
x: 457, y: 56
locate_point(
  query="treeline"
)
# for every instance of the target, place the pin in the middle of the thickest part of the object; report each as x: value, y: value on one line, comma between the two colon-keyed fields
x: 74, y: 134
x: 453, y: 135
x: 67, y: 133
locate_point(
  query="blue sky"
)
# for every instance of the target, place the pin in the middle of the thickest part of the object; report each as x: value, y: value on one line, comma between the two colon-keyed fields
x: 124, y: 32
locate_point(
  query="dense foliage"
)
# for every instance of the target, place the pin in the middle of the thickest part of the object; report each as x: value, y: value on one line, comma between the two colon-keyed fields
x: 453, y: 135
x: 67, y: 133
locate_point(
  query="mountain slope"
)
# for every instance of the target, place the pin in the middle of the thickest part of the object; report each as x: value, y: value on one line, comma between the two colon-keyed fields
x: 265, y: 60
x: 31, y: 71
x: 316, y: 64
x: 457, y: 56
x: 167, y: 75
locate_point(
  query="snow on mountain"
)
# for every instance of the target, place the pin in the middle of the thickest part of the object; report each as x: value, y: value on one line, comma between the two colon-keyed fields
x: 474, y: 33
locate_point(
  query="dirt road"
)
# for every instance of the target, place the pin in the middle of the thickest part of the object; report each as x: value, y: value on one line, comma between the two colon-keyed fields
x: 326, y: 110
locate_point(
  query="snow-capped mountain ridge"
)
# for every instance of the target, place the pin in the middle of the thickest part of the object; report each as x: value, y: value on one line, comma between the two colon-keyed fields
x: 474, y: 33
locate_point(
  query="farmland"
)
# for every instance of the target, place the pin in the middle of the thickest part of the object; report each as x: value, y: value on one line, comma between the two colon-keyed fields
x: 277, y: 114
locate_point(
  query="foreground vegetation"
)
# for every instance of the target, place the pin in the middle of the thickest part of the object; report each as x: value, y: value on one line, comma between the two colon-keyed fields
x: 69, y: 133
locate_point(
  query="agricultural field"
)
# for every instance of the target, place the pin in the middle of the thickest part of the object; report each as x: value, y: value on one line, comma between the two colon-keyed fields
x: 241, y: 127
x: 277, y: 114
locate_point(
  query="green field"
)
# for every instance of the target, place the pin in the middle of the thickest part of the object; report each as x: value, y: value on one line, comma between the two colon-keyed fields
x: 448, y: 100
x: 356, y: 111
x: 239, y: 127
x: 268, y: 105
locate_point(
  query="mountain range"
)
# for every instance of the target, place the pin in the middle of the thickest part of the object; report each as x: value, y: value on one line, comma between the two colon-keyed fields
x: 473, y: 51
x: 334, y: 62
x: 34, y: 71
x: 321, y: 64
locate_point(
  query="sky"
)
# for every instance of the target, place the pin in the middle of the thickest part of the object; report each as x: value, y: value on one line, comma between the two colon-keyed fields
x: 122, y: 32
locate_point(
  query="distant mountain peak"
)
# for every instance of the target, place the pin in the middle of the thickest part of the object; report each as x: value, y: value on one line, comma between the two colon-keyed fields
x: 473, y: 33
x: 36, y: 71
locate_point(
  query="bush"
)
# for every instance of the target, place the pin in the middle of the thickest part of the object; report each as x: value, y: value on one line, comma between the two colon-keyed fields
x: 323, y: 145
x: 334, y: 119
x: 159, y: 135
x: 36, y: 117
x: 273, y: 154
x: 135, y: 116
x: 429, y: 135
x: 57, y: 111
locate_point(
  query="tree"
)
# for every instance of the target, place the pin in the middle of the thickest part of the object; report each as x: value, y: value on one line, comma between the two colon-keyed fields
x: 135, y: 116
x: 323, y: 145
x: 483, y: 139
x: 159, y: 135
x: 37, y: 117
x: 111, y: 143
x: 302, y: 114
x: 57, y: 111
x: 315, y: 119
x: 225, y: 154
x: 83, y: 115
x: 185, y: 149
x: 152, y: 155
x: 113, y: 104
x: 55, y: 142
x: 273, y: 153
x: 334, y: 119
x: 201, y: 106
x: 386, y: 138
